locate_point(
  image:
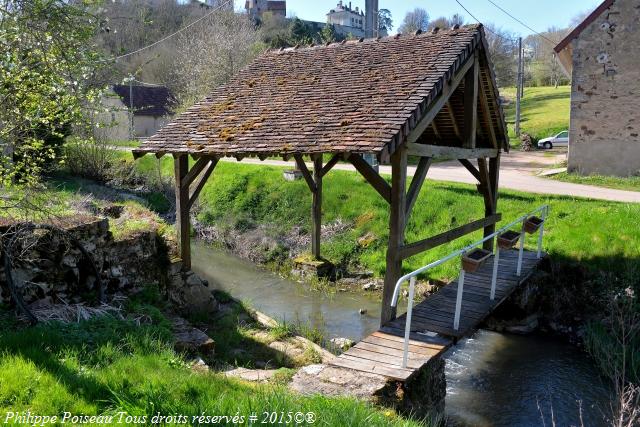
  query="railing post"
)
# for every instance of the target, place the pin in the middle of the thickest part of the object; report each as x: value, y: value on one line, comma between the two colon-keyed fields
x: 521, y: 251
x: 494, y: 278
x: 544, y: 217
x: 456, y: 320
x: 407, y: 328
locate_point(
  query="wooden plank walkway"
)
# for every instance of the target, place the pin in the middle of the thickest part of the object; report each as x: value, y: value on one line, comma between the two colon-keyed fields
x: 432, y: 330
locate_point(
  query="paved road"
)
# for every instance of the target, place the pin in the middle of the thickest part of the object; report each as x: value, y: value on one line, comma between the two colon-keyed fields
x: 517, y: 172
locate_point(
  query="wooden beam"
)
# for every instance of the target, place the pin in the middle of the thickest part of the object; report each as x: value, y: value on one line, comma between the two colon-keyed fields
x: 330, y: 164
x: 494, y: 176
x: 454, y: 122
x: 486, y: 112
x: 195, y: 171
x: 397, y: 221
x: 440, y: 101
x: 181, y: 165
x: 372, y: 177
x: 305, y: 172
x: 412, y: 249
x: 316, y: 208
x: 474, y: 171
x: 446, y: 152
x: 204, y: 177
x: 416, y: 184
x: 471, y: 104
x: 434, y: 126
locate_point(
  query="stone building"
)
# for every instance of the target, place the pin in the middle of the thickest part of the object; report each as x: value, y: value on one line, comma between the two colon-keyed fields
x: 349, y: 19
x: 151, y: 106
x: 602, y: 56
x: 255, y: 8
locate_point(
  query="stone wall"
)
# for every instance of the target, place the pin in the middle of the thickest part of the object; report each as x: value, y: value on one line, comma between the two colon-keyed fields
x: 605, y: 118
x: 59, y: 272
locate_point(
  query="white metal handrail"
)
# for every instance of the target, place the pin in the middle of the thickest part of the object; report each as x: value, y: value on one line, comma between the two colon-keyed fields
x: 456, y: 322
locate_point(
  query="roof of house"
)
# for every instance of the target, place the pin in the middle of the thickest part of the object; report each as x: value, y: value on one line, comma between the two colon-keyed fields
x: 606, y: 4
x: 147, y: 100
x: 361, y: 96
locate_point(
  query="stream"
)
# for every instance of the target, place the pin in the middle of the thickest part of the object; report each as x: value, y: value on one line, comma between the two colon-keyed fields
x: 493, y: 379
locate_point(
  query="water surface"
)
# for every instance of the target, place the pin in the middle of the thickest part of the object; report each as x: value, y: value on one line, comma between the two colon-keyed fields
x: 493, y: 379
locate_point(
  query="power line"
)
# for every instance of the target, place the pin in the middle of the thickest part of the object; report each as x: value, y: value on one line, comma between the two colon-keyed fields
x: 215, y: 9
x: 522, y: 23
x: 487, y: 28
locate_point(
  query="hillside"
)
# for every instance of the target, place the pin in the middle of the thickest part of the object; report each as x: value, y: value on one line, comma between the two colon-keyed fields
x: 545, y: 110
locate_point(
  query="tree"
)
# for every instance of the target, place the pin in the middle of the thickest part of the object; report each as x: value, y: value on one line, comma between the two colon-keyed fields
x: 385, y: 22
x: 48, y: 67
x: 328, y: 34
x: 417, y: 19
x: 503, y: 51
x: 212, y: 53
x: 443, y: 22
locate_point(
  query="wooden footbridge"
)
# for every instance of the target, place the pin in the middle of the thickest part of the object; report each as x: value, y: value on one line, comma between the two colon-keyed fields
x: 401, y: 347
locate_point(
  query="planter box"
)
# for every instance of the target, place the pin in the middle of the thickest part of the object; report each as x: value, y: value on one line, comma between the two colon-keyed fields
x: 471, y: 261
x: 533, y: 224
x: 508, y: 239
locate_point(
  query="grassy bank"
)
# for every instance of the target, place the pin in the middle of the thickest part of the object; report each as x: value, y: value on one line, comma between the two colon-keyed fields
x: 630, y: 184
x: 596, y: 233
x: 107, y: 366
x: 545, y: 111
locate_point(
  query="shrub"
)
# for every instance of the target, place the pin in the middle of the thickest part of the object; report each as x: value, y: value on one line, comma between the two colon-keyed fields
x: 89, y: 159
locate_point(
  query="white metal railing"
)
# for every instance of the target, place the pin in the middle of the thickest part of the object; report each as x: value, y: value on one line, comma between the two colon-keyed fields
x: 456, y: 321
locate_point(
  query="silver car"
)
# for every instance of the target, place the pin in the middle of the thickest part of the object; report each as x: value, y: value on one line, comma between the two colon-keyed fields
x: 560, y: 140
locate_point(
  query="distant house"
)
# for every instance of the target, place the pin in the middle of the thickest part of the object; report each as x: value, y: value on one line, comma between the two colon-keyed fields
x: 602, y: 56
x: 255, y: 8
x: 152, y: 108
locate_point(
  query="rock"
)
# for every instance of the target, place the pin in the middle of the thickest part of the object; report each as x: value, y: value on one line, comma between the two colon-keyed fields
x: 197, y: 298
x: 193, y: 280
x: 369, y: 286
x: 189, y: 339
x: 199, y: 365
x: 255, y: 375
x: 362, y: 311
x: 342, y: 343
x: 116, y: 271
x: 290, y: 350
x: 525, y: 326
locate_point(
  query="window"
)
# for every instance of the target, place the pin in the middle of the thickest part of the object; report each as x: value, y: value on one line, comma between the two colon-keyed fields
x: 563, y: 135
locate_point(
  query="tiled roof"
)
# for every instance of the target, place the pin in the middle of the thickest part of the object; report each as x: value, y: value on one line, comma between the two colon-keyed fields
x: 147, y: 100
x: 359, y: 96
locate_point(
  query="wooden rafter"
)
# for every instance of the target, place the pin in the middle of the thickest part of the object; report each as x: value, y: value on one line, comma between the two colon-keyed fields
x: 440, y: 101
x: 434, y: 127
x: 372, y: 177
x: 330, y: 164
x: 454, y: 122
x: 471, y: 104
x: 195, y: 171
x: 484, y: 103
x: 442, y: 151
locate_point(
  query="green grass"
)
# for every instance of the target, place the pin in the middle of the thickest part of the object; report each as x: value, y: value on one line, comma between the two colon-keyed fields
x: 545, y: 111
x: 631, y: 183
x: 598, y: 233
x: 107, y: 366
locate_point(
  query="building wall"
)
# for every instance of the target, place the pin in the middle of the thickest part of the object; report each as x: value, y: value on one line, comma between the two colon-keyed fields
x: 605, y: 95
x: 115, y: 122
x: 347, y: 20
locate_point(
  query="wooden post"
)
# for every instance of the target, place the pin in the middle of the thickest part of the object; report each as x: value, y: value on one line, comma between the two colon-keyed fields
x: 181, y: 168
x: 316, y: 209
x: 490, y: 191
x: 397, y: 219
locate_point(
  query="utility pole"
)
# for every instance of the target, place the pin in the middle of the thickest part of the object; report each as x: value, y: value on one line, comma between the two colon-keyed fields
x: 518, y: 87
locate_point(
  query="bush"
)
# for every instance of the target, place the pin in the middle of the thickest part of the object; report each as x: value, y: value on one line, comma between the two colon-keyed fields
x: 89, y: 159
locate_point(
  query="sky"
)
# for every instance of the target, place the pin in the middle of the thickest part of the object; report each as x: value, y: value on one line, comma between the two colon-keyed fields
x: 537, y: 14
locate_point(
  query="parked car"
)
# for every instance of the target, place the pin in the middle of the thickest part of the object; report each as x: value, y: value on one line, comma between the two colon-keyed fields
x: 560, y: 140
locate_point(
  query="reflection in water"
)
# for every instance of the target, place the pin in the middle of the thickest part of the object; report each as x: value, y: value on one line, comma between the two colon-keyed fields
x: 492, y: 379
